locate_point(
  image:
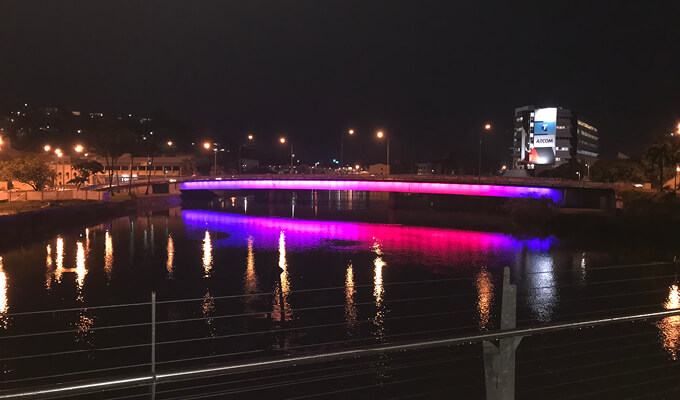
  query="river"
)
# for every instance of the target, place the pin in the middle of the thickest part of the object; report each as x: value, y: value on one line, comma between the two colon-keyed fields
x: 299, y: 279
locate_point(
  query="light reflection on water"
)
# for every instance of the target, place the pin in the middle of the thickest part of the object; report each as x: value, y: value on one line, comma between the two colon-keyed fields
x: 207, y: 255
x: 669, y: 327
x: 250, y: 283
x: 108, y: 254
x: 80, y: 269
x: 4, y: 305
x: 281, y: 310
x: 484, y: 298
x: 542, y: 287
x: 379, y: 294
x: 170, y: 261
x: 351, y: 315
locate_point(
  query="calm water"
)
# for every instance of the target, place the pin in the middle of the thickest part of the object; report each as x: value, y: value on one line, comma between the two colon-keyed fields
x: 385, y: 282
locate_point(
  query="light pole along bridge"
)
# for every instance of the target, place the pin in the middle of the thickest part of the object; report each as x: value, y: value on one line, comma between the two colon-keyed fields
x: 565, y: 193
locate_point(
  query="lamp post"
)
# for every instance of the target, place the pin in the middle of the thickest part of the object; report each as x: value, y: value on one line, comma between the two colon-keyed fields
x: 487, y: 128
x: 240, y: 162
x: 677, y: 171
x: 342, y: 147
x: 207, y: 146
x: 381, y: 135
x: 283, y: 141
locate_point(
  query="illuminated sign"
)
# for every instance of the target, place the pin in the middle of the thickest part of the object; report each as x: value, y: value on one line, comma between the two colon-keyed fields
x: 543, y: 151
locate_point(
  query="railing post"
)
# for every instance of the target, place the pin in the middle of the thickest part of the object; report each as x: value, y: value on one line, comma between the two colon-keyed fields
x: 499, y: 360
x: 153, y: 345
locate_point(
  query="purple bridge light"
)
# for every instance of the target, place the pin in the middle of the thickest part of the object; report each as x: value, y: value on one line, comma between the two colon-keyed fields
x: 460, y: 189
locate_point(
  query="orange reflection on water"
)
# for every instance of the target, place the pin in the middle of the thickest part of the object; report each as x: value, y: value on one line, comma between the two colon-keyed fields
x: 169, y: 264
x: 60, y: 259
x: 207, y: 255
x: 4, y: 305
x: 48, y: 266
x: 250, y: 283
x: 108, y: 254
x: 282, y: 311
x: 669, y: 327
x: 81, y: 271
x: 484, y: 298
x: 350, y: 291
x: 208, y: 310
x: 379, y: 294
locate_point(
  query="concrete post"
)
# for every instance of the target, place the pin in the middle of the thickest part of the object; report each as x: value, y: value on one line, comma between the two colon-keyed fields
x: 499, y: 360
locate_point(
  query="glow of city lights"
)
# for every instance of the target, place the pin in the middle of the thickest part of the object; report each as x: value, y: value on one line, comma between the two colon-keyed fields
x: 356, y: 166
x: 47, y: 148
x: 78, y: 148
x: 461, y: 189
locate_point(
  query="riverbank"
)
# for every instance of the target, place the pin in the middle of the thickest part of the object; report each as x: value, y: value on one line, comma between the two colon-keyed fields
x: 35, y: 224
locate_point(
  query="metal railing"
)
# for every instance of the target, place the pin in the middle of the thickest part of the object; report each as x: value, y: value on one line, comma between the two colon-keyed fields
x: 239, y: 370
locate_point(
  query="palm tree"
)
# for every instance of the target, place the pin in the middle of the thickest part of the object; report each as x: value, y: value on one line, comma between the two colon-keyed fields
x: 661, y: 153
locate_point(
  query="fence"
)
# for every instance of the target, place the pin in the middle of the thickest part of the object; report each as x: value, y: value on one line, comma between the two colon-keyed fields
x: 52, y: 195
x: 154, y: 350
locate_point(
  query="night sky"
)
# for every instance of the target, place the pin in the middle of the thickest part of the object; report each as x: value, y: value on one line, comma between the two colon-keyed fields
x: 428, y: 73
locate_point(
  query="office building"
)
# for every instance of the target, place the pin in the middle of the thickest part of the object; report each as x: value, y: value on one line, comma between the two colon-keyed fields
x: 548, y: 137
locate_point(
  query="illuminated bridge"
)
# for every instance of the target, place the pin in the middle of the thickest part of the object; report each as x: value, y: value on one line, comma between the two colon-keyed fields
x: 567, y: 193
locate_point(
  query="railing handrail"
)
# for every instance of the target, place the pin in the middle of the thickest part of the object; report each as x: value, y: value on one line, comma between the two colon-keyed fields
x: 280, y: 362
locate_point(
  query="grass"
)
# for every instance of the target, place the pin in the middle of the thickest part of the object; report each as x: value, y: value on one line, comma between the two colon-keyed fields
x: 25, y: 206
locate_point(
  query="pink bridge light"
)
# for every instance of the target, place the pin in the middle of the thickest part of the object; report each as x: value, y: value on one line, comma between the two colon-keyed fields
x: 461, y: 189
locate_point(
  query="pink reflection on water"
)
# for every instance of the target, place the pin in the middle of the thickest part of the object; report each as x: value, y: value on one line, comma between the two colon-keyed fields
x: 421, y: 244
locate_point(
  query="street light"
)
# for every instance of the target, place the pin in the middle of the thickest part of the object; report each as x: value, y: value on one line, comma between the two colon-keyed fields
x: 283, y: 141
x: 381, y: 135
x: 487, y: 128
x: 47, y: 148
x: 79, y: 148
x: 207, y: 146
x: 342, y: 147
x: 170, y: 143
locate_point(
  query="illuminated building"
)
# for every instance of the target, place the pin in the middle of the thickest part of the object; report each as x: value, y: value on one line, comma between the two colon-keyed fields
x: 545, y: 138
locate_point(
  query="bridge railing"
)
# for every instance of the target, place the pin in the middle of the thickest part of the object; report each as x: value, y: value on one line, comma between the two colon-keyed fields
x: 375, y: 345
x: 467, y: 179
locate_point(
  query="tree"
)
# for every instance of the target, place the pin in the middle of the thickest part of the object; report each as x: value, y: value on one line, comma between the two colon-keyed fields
x: 187, y: 167
x: 29, y: 169
x: 571, y: 170
x: 84, y: 170
x: 111, y: 142
x: 617, y: 169
x: 659, y: 155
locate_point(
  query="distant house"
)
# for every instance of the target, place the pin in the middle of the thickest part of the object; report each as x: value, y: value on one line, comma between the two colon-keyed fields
x: 379, y: 169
